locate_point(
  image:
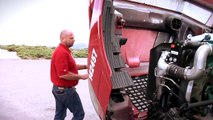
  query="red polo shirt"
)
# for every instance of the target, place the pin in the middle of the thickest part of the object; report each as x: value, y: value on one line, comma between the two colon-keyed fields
x: 62, y: 62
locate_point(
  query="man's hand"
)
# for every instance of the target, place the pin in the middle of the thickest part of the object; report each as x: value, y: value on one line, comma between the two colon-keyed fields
x: 84, y: 76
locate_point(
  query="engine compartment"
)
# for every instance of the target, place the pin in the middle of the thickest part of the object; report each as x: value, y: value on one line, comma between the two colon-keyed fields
x: 180, y: 79
x: 154, y: 62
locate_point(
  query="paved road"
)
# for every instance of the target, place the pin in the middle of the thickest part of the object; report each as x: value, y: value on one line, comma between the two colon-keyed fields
x: 25, y: 91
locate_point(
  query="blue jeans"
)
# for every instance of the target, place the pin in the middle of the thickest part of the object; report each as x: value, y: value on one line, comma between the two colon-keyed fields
x: 67, y: 98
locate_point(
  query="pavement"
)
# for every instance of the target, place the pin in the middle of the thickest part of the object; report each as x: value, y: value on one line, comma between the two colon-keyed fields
x: 26, y: 90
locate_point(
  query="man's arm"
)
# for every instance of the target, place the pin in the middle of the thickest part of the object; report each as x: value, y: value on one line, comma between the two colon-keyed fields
x: 81, y: 67
x: 72, y: 76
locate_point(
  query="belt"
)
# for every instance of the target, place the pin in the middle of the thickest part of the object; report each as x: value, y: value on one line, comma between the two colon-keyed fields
x: 61, y: 87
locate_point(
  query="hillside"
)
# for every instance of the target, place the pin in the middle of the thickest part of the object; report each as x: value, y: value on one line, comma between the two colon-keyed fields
x: 80, y: 46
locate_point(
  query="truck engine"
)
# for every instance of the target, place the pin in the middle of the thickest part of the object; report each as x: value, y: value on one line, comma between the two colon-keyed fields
x: 180, y: 79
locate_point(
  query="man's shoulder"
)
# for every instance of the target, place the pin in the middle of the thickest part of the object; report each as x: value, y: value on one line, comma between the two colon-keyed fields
x: 60, y: 52
x: 60, y: 49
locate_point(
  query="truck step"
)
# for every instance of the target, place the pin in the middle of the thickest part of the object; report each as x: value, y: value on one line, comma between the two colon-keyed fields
x: 137, y: 93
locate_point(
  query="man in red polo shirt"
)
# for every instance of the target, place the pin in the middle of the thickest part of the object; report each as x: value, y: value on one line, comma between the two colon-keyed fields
x: 64, y: 76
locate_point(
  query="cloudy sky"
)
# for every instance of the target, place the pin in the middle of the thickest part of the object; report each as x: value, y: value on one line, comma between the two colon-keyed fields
x: 39, y: 22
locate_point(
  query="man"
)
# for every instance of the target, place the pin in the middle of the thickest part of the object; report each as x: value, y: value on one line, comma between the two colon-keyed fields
x: 64, y: 76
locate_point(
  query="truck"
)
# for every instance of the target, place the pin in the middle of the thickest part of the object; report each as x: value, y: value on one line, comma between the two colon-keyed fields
x: 151, y: 59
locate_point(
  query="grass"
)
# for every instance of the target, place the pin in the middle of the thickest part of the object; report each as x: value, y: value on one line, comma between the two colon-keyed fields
x: 39, y: 52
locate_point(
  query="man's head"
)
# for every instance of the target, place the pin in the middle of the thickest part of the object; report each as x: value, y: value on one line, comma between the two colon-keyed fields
x: 67, y: 38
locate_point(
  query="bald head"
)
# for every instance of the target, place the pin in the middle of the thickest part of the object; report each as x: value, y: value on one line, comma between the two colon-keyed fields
x: 65, y: 33
x: 67, y: 38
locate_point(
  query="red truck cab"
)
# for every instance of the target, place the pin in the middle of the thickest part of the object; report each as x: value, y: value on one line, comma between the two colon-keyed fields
x: 122, y: 35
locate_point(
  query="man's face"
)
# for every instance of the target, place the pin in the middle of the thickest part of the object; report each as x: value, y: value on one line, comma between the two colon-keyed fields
x: 69, y: 40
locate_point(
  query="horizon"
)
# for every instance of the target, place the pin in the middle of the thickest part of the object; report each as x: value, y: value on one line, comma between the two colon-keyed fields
x: 76, y: 45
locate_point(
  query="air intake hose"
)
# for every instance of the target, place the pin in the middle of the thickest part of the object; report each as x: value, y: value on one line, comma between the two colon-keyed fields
x: 187, y: 73
x: 198, y: 68
x: 176, y: 71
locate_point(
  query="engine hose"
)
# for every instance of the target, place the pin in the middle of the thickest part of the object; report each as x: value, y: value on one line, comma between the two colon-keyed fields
x: 176, y: 71
x: 201, y: 103
x: 180, y: 98
x: 192, y: 73
x: 193, y: 44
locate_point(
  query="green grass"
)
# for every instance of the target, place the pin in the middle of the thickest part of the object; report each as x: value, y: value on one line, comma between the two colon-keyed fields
x: 39, y: 52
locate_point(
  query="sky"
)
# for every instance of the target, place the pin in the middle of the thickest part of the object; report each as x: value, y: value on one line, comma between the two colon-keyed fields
x: 39, y: 22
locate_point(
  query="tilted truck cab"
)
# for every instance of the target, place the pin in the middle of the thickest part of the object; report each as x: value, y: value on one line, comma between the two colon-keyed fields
x: 145, y: 58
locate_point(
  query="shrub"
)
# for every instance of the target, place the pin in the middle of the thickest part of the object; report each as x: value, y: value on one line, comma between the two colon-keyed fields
x: 80, y: 53
x: 39, y: 52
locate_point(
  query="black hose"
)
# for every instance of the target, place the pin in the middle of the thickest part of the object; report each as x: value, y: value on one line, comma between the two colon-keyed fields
x: 202, y: 103
x: 176, y: 71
